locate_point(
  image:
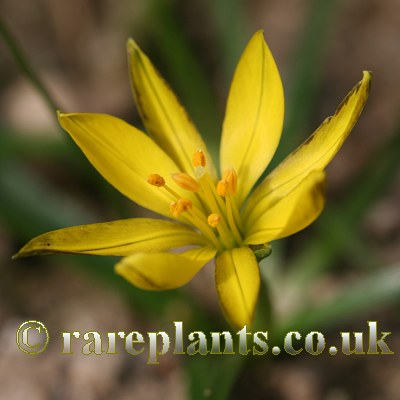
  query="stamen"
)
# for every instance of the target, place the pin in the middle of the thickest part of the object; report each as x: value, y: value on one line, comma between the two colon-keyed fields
x: 211, y: 195
x: 199, y: 159
x: 184, y: 204
x: 231, y: 177
x: 232, y: 212
x: 178, y: 207
x: 196, y: 217
x: 173, y: 209
x: 216, y: 201
x: 156, y: 180
x: 228, y: 184
x: 185, y: 181
x: 222, y: 188
x: 214, y: 219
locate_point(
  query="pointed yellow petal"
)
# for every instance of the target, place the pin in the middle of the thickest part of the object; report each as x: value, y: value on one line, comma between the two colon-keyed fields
x: 254, y: 116
x: 116, y: 238
x: 163, y: 271
x: 314, y: 153
x: 238, y: 281
x: 292, y: 213
x: 124, y: 156
x: 162, y: 114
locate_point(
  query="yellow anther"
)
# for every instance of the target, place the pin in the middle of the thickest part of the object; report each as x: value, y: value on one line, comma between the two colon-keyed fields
x: 199, y: 159
x: 222, y: 188
x: 213, y: 219
x: 231, y: 177
x: 185, y: 181
x: 178, y: 207
x: 173, y: 209
x: 228, y: 183
x: 156, y: 180
x: 184, y: 204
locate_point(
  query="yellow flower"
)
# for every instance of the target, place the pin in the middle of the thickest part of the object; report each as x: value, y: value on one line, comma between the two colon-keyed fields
x: 171, y: 172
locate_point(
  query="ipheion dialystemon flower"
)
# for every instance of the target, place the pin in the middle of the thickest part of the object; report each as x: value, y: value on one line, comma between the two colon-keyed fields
x: 170, y: 171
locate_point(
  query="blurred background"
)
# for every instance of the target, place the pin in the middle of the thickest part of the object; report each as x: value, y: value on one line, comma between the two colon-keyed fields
x: 341, y: 272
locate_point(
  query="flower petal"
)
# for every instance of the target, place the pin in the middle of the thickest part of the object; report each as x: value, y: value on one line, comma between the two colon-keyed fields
x: 116, y: 238
x: 124, y: 155
x: 162, y: 114
x: 237, y: 278
x: 315, y: 153
x: 292, y: 213
x: 163, y: 271
x: 254, y: 116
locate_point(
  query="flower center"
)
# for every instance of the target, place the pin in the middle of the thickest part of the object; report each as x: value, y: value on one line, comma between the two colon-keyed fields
x: 217, y: 217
